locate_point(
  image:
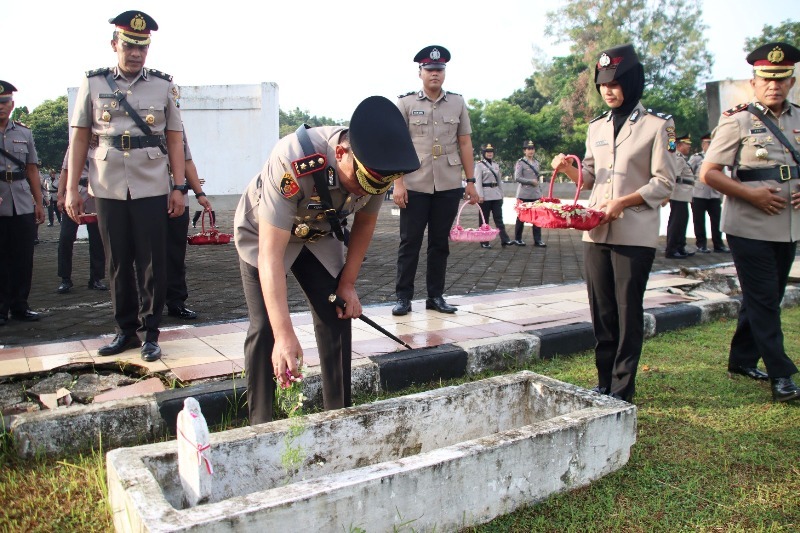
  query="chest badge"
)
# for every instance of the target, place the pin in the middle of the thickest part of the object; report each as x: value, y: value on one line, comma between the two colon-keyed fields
x: 150, y: 118
x: 762, y: 153
x: 289, y: 187
x: 301, y: 230
x: 106, y: 116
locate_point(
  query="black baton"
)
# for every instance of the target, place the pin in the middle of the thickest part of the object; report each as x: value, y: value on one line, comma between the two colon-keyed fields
x: 336, y: 300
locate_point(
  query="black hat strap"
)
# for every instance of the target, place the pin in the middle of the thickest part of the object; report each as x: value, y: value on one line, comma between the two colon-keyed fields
x: 321, y: 183
x: 775, y: 131
x: 119, y: 96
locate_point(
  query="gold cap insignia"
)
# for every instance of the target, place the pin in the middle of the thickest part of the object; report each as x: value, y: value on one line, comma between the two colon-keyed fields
x: 775, y: 55
x: 138, y: 23
x: 2, y: 89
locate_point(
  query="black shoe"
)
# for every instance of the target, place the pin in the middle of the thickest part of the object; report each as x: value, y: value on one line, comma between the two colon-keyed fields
x: 98, y: 286
x: 688, y: 254
x: 151, y: 351
x: 784, y: 390
x: 50, y: 225
x: 120, y: 344
x: 703, y: 250
x: 25, y: 316
x: 439, y: 304
x: 507, y: 243
x: 540, y: 244
x: 66, y: 285
x: 676, y: 255
x: 182, y: 312
x: 601, y: 390
x: 722, y: 250
x: 750, y: 372
x: 402, y: 307
x: 35, y: 241
x: 519, y: 242
x: 485, y: 245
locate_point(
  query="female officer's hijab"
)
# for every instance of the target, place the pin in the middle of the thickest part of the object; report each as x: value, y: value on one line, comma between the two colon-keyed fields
x: 621, y: 64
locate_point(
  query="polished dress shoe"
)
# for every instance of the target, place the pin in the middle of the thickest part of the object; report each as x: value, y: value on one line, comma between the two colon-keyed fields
x: 151, y: 351
x: 519, y: 242
x: 507, y: 243
x: 485, y: 245
x: 25, y: 316
x: 98, y: 285
x: 688, y: 254
x: 676, y: 255
x: 66, y: 285
x: 49, y: 224
x: 439, y: 304
x: 703, y: 250
x: 750, y: 372
x: 402, y: 307
x: 120, y: 344
x: 601, y: 390
x: 540, y: 244
x: 182, y: 312
x: 784, y: 390
x: 722, y: 250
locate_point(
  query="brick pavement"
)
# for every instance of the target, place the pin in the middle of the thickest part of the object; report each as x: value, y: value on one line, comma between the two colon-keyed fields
x: 215, y: 290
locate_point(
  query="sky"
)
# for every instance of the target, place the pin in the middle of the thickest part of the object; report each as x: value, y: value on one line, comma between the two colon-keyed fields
x: 325, y: 55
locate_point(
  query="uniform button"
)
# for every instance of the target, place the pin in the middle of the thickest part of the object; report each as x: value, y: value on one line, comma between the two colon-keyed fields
x: 129, y: 92
x: 126, y: 113
x: 435, y: 123
x: 607, y: 195
x: 436, y: 157
x: 611, y: 165
x: 126, y: 154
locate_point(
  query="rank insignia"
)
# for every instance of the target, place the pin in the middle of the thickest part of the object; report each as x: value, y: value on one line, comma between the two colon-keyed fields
x: 308, y: 165
x: 331, y: 175
x: 733, y: 111
x: 634, y: 116
x: 671, y: 139
x: 289, y: 187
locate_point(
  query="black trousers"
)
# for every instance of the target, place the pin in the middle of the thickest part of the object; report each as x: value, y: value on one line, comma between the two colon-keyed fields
x: 334, y: 338
x: 17, y: 233
x: 134, y: 236
x: 437, y: 212
x: 763, y: 269
x: 519, y: 227
x: 52, y: 210
x: 616, y: 278
x: 495, y: 209
x: 66, y: 242
x: 676, y: 226
x: 177, y: 291
x: 712, y: 206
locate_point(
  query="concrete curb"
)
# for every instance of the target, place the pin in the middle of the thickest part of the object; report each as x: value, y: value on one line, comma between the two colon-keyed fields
x: 152, y: 417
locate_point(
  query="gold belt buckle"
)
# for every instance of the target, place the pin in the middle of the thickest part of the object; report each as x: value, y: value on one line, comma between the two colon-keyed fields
x: 437, y: 149
x: 788, y: 172
x: 123, y: 138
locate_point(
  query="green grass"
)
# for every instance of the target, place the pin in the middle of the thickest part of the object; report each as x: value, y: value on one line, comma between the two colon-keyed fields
x: 712, y: 454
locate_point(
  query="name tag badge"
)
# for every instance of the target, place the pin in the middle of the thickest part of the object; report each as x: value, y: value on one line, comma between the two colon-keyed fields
x: 756, y: 131
x: 417, y: 112
x: 106, y: 95
x: 601, y: 143
x: 315, y: 207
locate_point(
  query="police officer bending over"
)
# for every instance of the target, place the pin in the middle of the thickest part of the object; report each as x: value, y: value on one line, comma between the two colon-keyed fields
x: 290, y: 218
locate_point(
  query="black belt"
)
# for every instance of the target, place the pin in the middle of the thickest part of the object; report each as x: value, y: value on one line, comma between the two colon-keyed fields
x: 781, y: 173
x: 490, y: 185
x: 128, y: 142
x: 10, y: 176
x: 685, y: 182
x: 83, y: 182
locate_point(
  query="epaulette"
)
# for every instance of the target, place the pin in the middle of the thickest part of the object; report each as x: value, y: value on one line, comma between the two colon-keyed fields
x: 734, y: 110
x: 407, y: 94
x: 451, y: 92
x: 308, y: 165
x: 18, y: 123
x: 659, y: 115
x: 97, y: 72
x: 598, y: 117
x: 162, y: 75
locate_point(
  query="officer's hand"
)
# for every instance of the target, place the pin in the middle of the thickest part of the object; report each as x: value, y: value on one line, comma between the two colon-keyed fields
x: 560, y: 162
x: 203, y: 201
x: 38, y: 213
x: 471, y: 194
x: 400, y: 194
x: 60, y: 203
x: 176, y: 204
x: 796, y: 198
x: 352, y: 307
x: 74, y: 206
x: 767, y: 199
x: 480, y: 199
x: 612, y: 210
x: 287, y: 356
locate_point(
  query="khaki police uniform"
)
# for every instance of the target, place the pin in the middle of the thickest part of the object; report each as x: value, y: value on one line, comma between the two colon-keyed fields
x: 280, y: 197
x: 490, y: 188
x: 527, y: 175
x: 705, y: 199
x: 679, y: 207
x: 435, y: 190
x: 128, y: 178
x: 618, y: 256
x: 69, y: 233
x: 17, y: 221
x: 763, y: 246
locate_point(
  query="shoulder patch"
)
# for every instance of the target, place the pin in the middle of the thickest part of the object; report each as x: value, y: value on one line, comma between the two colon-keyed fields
x: 18, y: 123
x: 309, y: 164
x: 734, y: 110
x: 664, y: 116
x: 451, y: 92
x: 598, y: 117
x: 407, y: 94
x: 158, y: 73
x: 97, y: 72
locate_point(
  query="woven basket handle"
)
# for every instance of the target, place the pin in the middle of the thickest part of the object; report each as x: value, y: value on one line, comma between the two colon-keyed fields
x: 458, y: 218
x: 580, y: 178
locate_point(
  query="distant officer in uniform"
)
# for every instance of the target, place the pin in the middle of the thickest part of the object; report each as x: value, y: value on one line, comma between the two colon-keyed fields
x: 439, y: 125
x: 527, y: 174
x: 760, y: 141
x: 630, y: 167
x: 705, y: 200
x: 490, y: 193
x: 69, y: 232
x: 289, y: 218
x: 52, y: 200
x: 127, y: 120
x: 679, y: 202
x: 20, y: 211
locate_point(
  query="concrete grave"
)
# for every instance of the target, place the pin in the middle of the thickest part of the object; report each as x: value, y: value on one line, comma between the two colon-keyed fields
x: 442, y: 460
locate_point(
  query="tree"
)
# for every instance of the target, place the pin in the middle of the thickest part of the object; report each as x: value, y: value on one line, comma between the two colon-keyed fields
x: 504, y: 125
x: 787, y: 31
x: 289, y: 122
x: 20, y: 114
x: 50, y: 128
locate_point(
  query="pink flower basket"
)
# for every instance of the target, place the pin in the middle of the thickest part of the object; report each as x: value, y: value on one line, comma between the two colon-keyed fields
x: 483, y: 234
x: 549, y: 212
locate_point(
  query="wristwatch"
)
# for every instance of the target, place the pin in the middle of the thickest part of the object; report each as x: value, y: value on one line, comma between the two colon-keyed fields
x: 470, y: 180
x: 182, y: 188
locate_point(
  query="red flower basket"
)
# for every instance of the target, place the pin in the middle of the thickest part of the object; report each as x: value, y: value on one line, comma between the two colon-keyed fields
x: 212, y: 236
x: 483, y: 234
x: 549, y: 212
